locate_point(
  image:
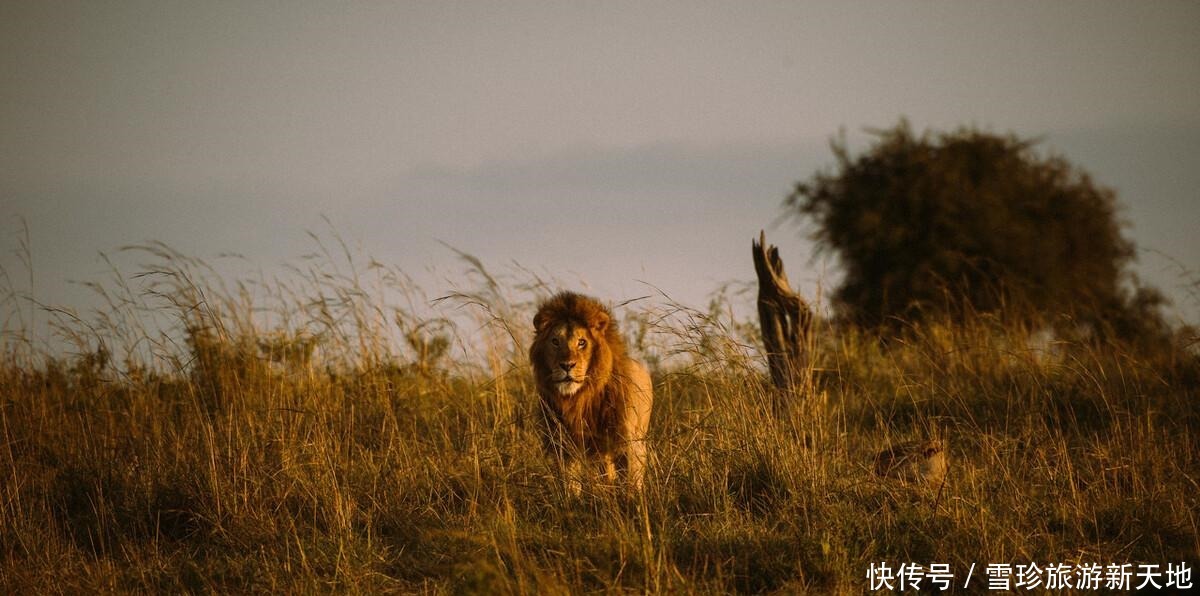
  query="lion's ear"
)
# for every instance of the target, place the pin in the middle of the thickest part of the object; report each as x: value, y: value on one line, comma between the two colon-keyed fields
x: 599, y: 322
x: 540, y: 320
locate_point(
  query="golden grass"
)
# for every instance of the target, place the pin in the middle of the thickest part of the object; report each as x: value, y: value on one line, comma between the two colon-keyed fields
x: 309, y: 436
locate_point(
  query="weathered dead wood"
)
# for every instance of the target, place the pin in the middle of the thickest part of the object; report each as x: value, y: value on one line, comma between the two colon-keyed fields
x: 786, y: 320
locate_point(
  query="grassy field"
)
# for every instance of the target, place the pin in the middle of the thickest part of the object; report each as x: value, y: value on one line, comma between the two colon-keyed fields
x: 310, y: 436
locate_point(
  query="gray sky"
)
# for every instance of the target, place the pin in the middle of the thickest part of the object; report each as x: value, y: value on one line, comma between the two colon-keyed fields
x: 536, y: 132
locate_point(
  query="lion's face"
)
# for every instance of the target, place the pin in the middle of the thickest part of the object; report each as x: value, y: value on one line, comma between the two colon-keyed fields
x: 571, y: 351
x: 567, y: 356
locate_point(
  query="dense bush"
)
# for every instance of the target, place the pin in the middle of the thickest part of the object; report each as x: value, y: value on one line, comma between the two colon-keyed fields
x: 973, y: 222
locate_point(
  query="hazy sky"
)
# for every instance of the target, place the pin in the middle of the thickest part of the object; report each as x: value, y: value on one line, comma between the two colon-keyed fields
x: 665, y: 132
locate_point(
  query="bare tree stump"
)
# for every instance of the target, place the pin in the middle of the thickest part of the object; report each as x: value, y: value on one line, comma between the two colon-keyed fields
x: 786, y: 320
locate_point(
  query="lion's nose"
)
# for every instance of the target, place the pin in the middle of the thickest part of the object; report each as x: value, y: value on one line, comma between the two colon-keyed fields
x: 566, y: 366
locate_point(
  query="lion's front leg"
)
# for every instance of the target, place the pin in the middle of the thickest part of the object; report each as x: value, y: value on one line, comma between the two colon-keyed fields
x: 610, y: 469
x: 572, y: 472
x: 635, y: 463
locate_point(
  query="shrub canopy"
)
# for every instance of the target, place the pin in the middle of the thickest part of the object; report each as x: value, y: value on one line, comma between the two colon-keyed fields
x: 970, y: 221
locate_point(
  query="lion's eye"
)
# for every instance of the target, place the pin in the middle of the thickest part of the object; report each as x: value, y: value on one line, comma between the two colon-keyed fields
x: 555, y: 341
x: 582, y: 344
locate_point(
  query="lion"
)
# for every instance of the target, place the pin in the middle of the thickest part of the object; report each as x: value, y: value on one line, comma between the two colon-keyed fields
x: 594, y: 398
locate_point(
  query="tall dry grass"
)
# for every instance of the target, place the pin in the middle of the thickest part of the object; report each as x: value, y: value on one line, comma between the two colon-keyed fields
x: 338, y: 431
